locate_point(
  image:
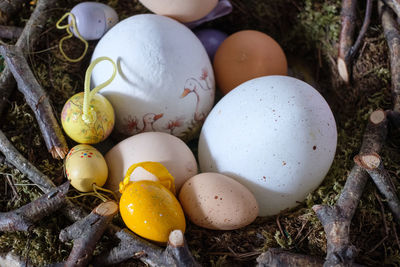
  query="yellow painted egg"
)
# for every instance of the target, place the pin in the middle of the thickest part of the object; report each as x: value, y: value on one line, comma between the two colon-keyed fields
x: 101, y: 119
x: 85, y: 166
x: 150, y: 210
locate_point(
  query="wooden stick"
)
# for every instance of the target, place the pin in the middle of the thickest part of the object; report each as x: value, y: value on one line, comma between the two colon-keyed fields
x: 86, y: 232
x: 346, y: 50
x: 280, y: 258
x: 348, y: 18
x: 24, y: 218
x: 177, y: 252
x: 393, y: 40
x: 336, y: 219
x: 373, y: 164
x: 29, y: 36
x: 394, y: 5
x: 10, y: 32
x: 37, y: 99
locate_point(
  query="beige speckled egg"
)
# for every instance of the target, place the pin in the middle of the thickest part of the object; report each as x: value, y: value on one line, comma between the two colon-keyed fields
x: 218, y: 202
x: 181, y: 10
x: 164, y: 148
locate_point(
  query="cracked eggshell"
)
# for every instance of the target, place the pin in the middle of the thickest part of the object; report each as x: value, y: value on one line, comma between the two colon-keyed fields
x: 218, y: 202
x: 164, y: 148
x: 276, y: 135
x: 165, y: 80
x: 181, y: 10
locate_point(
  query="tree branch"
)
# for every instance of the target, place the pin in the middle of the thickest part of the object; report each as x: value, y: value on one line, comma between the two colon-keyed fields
x: 280, y: 258
x: 86, y: 232
x: 336, y: 219
x: 24, y: 218
x: 10, y: 32
x: 37, y: 99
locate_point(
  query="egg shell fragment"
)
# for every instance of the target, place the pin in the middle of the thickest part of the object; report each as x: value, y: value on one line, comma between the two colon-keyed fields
x: 164, y: 148
x: 276, y: 135
x: 218, y: 202
x: 85, y: 166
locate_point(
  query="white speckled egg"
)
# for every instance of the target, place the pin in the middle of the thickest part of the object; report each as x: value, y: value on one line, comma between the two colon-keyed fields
x: 276, y: 135
x: 215, y: 201
x: 164, y: 148
x: 165, y: 80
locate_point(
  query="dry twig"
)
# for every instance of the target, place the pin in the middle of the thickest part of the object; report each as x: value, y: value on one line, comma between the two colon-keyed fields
x: 86, y: 232
x: 347, y: 50
x: 10, y: 32
x: 280, y: 258
x: 24, y: 218
x: 37, y: 99
x: 373, y: 164
x: 29, y: 36
x: 336, y: 219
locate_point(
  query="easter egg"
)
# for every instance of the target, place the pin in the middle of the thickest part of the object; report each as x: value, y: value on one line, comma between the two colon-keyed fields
x: 245, y: 55
x: 102, y: 119
x: 211, y: 39
x: 164, y: 148
x: 165, y: 80
x: 181, y: 10
x: 276, y: 135
x: 151, y: 210
x: 216, y: 201
x: 85, y: 166
x: 93, y: 19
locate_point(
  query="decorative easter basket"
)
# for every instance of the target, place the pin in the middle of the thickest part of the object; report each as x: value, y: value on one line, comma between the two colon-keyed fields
x: 365, y: 109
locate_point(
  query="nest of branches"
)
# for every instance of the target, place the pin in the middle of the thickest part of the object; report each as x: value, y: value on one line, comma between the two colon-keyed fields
x: 352, y: 218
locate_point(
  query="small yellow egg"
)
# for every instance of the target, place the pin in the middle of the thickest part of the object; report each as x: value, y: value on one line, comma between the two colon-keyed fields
x: 101, y: 116
x: 85, y: 166
x: 151, y: 210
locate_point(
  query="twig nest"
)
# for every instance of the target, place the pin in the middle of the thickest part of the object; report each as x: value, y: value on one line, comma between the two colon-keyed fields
x: 93, y: 129
x: 85, y: 166
x: 276, y: 135
x: 165, y: 81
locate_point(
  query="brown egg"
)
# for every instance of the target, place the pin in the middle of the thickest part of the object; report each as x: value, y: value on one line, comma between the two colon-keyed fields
x: 181, y: 10
x: 246, y: 55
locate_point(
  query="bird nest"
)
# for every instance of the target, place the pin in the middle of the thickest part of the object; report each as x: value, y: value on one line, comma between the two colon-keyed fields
x: 308, y: 32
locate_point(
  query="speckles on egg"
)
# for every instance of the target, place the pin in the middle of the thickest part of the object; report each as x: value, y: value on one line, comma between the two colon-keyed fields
x: 215, y: 201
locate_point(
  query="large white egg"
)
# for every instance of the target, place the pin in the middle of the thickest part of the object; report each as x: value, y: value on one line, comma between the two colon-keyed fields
x: 165, y: 80
x: 276, y: 135
x: 164, y: 148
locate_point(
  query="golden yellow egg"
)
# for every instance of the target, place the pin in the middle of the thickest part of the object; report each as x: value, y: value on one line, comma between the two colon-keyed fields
x: 151, y: 210
x: 85, y: 166
x: 101, y: 119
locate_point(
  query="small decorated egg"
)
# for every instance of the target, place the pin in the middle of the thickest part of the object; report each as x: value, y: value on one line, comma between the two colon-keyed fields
x: 245, y: 55
x: 85, y: 166
x: 165, y: 81
x: 276, y: 135
x: 164, y: 148
x: 216, y: 201
x: 93, y: 19
x: 101, y: 125
x: 181, y: 10
x: 211, y: 39
x: 150, y: 210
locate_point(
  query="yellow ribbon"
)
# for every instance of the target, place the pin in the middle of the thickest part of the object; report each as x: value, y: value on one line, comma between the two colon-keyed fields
x: 156, y: 168
x: 70, y: 34
x: 89, y: 116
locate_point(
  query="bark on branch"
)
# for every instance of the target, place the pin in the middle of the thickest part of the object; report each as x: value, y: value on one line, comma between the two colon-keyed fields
x: 280, y: 258
x: 37, y: 99
x: 373, y: 164
x: 29, y: 36
x: 10, y: 32
x: 392, y: 35
x: 86, y: 232
x: 336, y: 219
x: 25, y: 217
